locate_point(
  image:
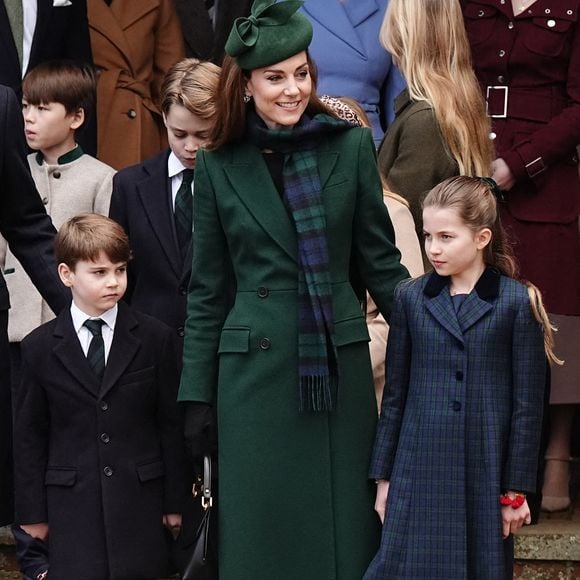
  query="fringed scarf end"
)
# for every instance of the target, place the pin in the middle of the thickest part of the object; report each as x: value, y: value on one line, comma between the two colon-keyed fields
x: 318, y: 393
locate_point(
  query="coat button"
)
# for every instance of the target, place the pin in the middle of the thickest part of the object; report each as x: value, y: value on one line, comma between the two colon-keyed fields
x: 459, y: 375
x: 263, y: 292
x: 551, y: 23
x: 108, y: 471
x: 180, y: 331
x: 481, y: 13
x: 105, y: 437
x: 104, y: 405
x: 502, y: 53
x: 501, y: 79
x: 456, y: 406
x: 510, y: 25
x: 265, y: 343
x: 56, y: 174
x: 131, y: 113
x: 45, y: 200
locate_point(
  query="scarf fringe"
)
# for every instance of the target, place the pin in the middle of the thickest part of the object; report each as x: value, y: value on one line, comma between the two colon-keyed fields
x: 317, y: 393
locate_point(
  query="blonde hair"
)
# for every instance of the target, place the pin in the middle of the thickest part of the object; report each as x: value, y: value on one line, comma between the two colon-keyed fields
x: 474, y: 201
x: 192, y: 84
x: 428, y: 41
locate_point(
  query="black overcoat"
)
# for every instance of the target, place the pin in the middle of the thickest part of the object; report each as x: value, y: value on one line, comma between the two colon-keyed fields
x: 101, y: 465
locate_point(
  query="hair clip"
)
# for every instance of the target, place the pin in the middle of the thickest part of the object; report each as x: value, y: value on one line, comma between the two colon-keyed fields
x: 495, y: 188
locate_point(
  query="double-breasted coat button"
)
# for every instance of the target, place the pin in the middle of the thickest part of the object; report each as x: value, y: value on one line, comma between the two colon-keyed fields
x: 481, y: 13
x: 459, y: 375
x: 456, y: 406
x: 265, y: 343
x: 105, y: 438
x: 263, y: 292
x: 551, y: 23
x: 492, y: 135
x: 131, y: 113
x: 548, y: 11
x: 180, y: 331
x: 104, y: 405
x: 108, y: 471
x: 502, y: 53
x: 569, y: 12
x: 510, y: 25
x: 500, y: 79
x: 45, y: 200
x: 56, y: 174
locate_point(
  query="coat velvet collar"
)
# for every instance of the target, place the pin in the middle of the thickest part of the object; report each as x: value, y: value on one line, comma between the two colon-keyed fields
x: 487, y: 286
x: 476, y: 305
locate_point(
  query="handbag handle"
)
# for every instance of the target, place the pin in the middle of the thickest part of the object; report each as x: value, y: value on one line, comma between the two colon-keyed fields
x: 206, y: 499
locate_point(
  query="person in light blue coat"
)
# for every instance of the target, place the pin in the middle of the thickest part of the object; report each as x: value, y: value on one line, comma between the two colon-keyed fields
x: 350, y: 59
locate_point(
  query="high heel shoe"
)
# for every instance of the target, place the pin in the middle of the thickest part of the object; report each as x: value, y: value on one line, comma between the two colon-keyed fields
x: 556, y: 503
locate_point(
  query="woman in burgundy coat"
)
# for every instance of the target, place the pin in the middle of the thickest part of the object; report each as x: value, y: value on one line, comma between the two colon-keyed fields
x: 526, y: 55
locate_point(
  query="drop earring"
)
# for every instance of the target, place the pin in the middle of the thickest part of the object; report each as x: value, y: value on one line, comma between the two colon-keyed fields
x: 247, y: 99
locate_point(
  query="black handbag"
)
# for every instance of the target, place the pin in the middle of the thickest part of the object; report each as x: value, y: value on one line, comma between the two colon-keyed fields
x: 202, y: 561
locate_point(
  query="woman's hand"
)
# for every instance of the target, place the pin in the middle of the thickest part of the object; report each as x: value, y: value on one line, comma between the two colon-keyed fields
x: 502, y: 174
x: 514, y: 519
x: 381, y: 500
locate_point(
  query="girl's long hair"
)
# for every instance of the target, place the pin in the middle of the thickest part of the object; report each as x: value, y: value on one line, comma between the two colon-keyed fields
x: 474, y: 201
x: 428, y: 41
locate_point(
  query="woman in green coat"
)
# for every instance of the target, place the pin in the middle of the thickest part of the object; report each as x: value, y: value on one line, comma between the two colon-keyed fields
x: 288, y: 198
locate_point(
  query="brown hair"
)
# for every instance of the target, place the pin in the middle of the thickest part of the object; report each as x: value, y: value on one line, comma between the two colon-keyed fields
x: 231, y: 118
x: 428, y: 41
x: 192, y: 84
x: 474, y: 201
x: 61, y: 81
x: 85, y: 236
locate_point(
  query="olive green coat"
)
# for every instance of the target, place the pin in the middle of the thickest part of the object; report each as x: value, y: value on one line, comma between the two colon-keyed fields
x: 295, y: 502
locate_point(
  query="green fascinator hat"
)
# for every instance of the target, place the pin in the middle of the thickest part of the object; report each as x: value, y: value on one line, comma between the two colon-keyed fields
x: 273, y: 32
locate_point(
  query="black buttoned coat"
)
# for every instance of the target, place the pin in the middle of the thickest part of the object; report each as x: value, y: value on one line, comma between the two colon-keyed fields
x: 158, y: 274
x: 460, y: 424
x: 100, y: 463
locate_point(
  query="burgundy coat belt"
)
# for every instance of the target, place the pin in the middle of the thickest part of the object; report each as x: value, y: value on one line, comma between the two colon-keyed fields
x: 528, y: 104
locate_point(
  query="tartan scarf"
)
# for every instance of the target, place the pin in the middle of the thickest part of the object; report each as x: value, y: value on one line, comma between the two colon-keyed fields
x: 317, y: 355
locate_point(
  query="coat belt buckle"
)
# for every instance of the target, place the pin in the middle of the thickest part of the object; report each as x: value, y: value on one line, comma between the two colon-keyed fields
x: 503, y: 88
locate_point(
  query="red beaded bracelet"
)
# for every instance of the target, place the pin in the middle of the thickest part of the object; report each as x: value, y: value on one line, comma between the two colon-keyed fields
x: 516, y: 501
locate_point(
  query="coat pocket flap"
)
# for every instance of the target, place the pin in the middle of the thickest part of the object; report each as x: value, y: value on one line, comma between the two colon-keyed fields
x: 234, y: 340
x: 65, y: 476
x: 351, y: 330
x: 149, y: 471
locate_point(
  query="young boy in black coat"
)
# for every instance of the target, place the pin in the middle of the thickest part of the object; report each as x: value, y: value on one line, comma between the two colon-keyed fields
x: 98, y: 442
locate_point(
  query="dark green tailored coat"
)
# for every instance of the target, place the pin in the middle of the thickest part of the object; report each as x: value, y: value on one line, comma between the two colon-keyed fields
x: 295, y: 501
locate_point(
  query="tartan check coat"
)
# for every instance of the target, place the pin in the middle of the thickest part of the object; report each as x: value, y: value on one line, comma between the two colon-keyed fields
x: 460, y: 424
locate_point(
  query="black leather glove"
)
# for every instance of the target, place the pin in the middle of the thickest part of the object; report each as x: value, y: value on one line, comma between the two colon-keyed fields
x: 200, y: 430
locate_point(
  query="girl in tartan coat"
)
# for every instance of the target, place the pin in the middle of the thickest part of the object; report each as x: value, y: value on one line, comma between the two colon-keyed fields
x: 458, y: 438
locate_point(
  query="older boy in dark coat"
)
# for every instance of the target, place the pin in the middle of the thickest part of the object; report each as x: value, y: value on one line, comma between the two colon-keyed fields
x: 99, y: 453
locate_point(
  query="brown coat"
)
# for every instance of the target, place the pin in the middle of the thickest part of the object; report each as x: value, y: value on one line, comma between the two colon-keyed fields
x: 408, y: 244
x: 134, y: 44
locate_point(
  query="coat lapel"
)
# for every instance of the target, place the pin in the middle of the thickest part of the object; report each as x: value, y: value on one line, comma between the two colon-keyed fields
x: 341, y: 20
x: 477, y: 304
x: 249, y: 177
x: 261, y: 198
x: 154, y: 195
x: 123, y: 349
x: 68, y: 350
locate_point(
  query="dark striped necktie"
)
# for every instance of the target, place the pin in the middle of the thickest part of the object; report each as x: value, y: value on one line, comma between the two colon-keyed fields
x: 184, y: 211
x: 96, y: 353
